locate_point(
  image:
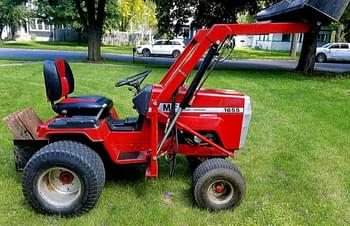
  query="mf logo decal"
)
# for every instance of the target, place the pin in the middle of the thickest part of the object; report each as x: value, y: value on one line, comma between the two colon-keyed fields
x: 166, y: 107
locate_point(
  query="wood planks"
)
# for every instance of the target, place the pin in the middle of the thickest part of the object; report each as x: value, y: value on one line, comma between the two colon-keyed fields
x: 23, y: 124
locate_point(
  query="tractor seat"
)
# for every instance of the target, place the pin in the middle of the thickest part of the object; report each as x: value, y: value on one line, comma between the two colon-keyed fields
x: 59, y: 82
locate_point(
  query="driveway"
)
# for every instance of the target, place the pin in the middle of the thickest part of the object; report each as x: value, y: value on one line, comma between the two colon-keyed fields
x: 230, y: 64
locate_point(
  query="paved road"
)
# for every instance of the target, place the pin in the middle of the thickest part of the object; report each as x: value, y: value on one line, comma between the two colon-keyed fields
x: 236, y: 64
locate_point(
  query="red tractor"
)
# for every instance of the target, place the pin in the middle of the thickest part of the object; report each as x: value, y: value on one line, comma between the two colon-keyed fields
x: 63, y: 158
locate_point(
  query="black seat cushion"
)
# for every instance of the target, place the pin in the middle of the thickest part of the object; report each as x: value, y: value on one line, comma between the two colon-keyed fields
x: 83, y: 105
x: 59, y: 82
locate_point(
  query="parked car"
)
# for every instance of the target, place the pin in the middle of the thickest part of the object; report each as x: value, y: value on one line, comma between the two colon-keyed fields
x: 333, y: 52
x: 162, y: 47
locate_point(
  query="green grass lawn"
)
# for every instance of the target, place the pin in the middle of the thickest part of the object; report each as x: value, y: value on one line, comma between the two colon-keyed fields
x: 249, y: 53
x: 296, y: 161
x: 65, y: 46
x: 240, y: 53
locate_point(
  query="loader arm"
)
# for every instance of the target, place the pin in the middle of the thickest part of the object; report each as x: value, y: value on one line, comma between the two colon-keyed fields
x: 205, y: 38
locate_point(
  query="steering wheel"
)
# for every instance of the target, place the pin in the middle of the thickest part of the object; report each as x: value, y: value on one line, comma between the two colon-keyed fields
x: 134, y: 81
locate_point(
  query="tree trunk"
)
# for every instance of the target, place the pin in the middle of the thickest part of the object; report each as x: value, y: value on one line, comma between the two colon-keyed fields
x: 338, y: 33
x: 306, y: 64
x: 13, y: 32
x: 293, y: 46
x: 1, y: 30
x: 79, y: 36
x: 94, y: 43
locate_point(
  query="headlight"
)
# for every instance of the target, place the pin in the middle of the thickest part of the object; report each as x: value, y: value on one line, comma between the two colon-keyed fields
x: 247, y: 115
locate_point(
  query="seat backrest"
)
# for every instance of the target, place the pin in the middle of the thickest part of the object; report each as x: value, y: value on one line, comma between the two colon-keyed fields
x: 59, y: 81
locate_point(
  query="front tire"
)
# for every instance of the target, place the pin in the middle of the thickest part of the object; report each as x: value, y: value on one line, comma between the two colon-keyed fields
x: 176, y: 53
x: 146, y: 53
x: 63, y: 178
x: 321, y: 58
x: 218, y: 185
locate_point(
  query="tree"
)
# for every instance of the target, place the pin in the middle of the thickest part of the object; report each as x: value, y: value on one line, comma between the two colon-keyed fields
x: 345, y: 23
x: 92, y: 16
x: 17, y: 17
x: 60, y: 13
x: 306, y: 64
x: 89, y: 15
x: 137, y: 15
x: 293, y: 45
x: 146, y: 18
x: 12, y: 14
x: 221, y: 11
x: 112, y: 16
x: 172, y: 14
x: 128, y: 10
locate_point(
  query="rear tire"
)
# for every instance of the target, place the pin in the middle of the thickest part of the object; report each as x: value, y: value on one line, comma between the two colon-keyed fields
x: 321, y: 58
x: 63, y: 178
x: 176, y: 53
x: 218, y: 185
x: 146, y: 52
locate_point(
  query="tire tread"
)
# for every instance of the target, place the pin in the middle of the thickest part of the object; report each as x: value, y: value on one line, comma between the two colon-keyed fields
x: 63, y: 151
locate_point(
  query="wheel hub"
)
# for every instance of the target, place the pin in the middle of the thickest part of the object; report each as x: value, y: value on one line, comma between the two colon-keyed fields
x: 59, y: 186
x: 219, y: 188
x: 220, y: 191
x: 66, y: 177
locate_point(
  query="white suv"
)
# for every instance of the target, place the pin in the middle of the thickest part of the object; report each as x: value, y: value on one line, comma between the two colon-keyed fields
x: 162, y: 47
x: 333, y: 52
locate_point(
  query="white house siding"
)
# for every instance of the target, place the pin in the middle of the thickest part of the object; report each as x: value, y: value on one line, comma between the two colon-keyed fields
x: 283, y: 42
x: 284, y: 46
x: 5, y: 33
x: 244, y: 40
x: 273, y: 42
x: 262, y: 41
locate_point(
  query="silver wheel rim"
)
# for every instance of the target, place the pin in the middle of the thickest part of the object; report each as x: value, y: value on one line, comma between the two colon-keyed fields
x: 321, y: 58
x: 146, y: 53
x: 220, y: 192
x: 59, y: 186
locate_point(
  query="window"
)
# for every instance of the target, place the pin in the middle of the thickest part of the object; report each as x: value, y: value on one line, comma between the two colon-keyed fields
x: 32, y: 24
x: 158, y: 43
x: 335, y: 46
x: 286, y: 38
x: 267, y: 37
x: 40, y: 25
x: 186, y: 32
x: 322, y: 38
x: 174, y: 43
x: 264, y: 38
x: 344, y: 46
x: 301, y: 38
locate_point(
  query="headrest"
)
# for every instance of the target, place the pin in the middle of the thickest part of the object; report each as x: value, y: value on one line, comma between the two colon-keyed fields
x: 59, y: 79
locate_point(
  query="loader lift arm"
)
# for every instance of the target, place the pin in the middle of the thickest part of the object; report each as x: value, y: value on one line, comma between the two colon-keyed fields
x: 204, y: 39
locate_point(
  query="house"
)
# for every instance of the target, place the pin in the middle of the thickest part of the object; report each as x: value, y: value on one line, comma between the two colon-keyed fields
x: 34, y: 29
x: 283, y: 41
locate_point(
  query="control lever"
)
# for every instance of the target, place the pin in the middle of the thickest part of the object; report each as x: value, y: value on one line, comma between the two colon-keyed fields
x: 98, y: 116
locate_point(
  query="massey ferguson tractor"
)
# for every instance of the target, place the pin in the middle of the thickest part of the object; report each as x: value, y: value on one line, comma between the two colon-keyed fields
x: 63, y: 158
